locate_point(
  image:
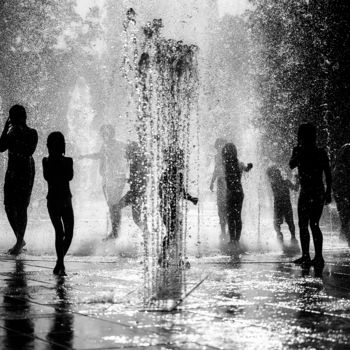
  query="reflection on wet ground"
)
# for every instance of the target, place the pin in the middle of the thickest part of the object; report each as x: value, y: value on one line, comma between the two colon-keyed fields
x: 256, y: 301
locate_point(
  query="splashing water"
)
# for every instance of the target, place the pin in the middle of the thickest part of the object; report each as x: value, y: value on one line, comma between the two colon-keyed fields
x: 163, y: 89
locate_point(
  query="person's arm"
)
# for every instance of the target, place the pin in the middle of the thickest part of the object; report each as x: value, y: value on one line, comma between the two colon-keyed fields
x: 185, y: 194
x: 70, y: 171
x: 294, y: 187
x: 4, y: 139
x: 45, y: 168
x: 248, y: 167
x: 33, y: 142
x: 328, y: 175
x: 295, y: 159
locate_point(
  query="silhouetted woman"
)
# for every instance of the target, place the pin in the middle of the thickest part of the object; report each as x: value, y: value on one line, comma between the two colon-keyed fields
x: 233, y: 169
x: 219, y: 177
x: 312, y: 162
x: 20, y: 141
x: 341, y: 190
x: 58, y: 171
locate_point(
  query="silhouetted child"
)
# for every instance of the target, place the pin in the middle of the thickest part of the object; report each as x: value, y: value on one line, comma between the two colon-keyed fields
x: 234, y: 196
x: 113, y: 172
x: 58, y: 171
x: 219, y: 177
x: 312, y: 162
x: 341, y: 190
x: 135, y: 197
x: 171, y: 191
x: 281, y: 201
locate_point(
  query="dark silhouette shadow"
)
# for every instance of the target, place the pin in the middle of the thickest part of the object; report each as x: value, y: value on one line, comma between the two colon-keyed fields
x: 58, y: 172
x: 233, y: 170
x: 62, y: 330
x: 20, y: 141
x: 312, y: 162
x: 18, y: 324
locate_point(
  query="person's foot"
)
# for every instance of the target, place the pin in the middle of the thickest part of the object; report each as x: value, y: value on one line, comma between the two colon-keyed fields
x: 110, y: 236
x: 304, y: 261
x: 17, y: 248
x: 318, y: 262
x: 62, y: 272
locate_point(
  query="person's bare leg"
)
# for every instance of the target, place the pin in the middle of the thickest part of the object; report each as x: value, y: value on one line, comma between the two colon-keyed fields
x: 18, y: 221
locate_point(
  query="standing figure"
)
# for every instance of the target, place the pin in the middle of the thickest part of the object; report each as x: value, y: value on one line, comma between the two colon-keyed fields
x: 112, y: 171
x: 234, y: 197
x: 171, y: 191
x: 58, y: 171
x: 341, y: 190
x: 138, y: 184
x: 281, y: 201
x: 21, y: 142
x: 312, y: 162
x: 219, y: 177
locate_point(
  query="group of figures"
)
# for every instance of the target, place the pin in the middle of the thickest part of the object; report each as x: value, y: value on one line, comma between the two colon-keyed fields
x: 313, y: 166
x: 20, y: 141
x: 311, y: 161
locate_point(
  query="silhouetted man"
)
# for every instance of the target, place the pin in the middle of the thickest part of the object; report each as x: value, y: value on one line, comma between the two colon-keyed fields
x: 20, y: 141
x: 312, y: 162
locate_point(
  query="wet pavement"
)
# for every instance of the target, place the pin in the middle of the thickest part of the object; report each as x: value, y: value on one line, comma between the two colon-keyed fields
x: 257, y: 301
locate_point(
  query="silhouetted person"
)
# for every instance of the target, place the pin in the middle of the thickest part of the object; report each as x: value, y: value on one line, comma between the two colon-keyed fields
x: 171, y: 191
x: 138, y: 183
x: 112, y: 170
x: 234, y: 196
x: 58, y: 171
x: 341, y: 190
x: 312, y: 162
x: 20, y: 141
x: 281, y: 201
x: 219, y: 177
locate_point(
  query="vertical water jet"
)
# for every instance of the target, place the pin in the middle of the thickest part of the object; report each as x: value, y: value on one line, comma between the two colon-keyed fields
x: 162, y: 78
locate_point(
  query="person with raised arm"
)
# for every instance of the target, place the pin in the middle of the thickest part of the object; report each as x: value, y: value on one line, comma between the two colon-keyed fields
x: 20, y: 141
x: 233, y: 169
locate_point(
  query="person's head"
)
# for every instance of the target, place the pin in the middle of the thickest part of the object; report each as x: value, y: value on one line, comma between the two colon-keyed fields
x: 56, y: 144
x: 174, y: 156
x: 18, y: 115
x: 107, y: 132
x: 219, y: 143
x: 307, y: 135
x: 229, y: 153
x: 274, y: 173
